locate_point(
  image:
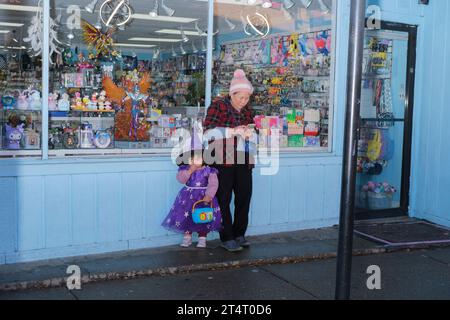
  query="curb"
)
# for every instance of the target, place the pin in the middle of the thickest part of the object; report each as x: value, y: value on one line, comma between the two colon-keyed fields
x: 169, y: 271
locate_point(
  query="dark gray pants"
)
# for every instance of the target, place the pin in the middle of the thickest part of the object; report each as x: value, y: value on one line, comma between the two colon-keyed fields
x: 237, y: 179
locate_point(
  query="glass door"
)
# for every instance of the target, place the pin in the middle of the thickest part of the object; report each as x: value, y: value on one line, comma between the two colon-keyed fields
x: 384, y: 149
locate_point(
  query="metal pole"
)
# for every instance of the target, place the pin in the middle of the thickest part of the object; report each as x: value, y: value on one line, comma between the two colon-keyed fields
x: 354, y: 78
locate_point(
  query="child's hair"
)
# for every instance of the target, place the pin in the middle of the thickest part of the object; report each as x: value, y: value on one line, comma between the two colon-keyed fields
x: 184, y: 158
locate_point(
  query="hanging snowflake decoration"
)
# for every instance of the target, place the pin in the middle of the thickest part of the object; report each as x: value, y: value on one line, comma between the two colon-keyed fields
x: 35, y: 33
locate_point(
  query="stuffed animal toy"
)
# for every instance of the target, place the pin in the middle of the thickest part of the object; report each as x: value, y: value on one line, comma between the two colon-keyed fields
x: 14, y: 135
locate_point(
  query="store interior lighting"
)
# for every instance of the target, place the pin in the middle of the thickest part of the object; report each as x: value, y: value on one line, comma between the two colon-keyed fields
x: 184, y: 37
x: 154, y: 39
x: 230, y: 24
x: 204, y: 49
x: 12, y: 7
x: 286, y: 13
x: 194, y: 48
x: 288, y: 4
x: 178, y: 32
x: 267, y: 4
x: 200, y: 31
x: 91, y: 6
x: 141, y: 16
x: 10, y: 24
x: 169, y: 11
x: 323, y: 7
x: 134, y: 45
x: 156, y: 54
x: 98, y: 24
x: 183, y: 52
x: 154, y: 12
x: 306, y: 3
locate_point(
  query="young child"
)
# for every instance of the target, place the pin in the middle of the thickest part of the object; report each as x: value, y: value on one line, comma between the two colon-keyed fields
x: 201, y: 183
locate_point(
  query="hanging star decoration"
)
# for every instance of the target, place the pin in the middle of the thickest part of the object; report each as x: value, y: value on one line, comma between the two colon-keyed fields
x: 102, y: 43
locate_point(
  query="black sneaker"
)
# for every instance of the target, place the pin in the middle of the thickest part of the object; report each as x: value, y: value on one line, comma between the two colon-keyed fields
x: 242, y: 242
x: 231, y: 246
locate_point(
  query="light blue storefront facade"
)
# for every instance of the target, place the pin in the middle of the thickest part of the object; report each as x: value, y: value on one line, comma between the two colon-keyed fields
x: 68, y: 207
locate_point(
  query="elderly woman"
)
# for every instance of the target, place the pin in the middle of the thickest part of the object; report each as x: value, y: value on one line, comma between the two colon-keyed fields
x: 231, y: 119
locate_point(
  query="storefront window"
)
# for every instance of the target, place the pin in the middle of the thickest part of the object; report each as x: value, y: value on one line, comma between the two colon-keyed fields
x: 20, y: 80
x: 127, y: 80
x: 286, y: 50
x: 127, y: 76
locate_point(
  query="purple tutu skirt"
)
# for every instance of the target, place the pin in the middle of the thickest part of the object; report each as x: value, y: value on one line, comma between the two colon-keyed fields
x: 179, y: 218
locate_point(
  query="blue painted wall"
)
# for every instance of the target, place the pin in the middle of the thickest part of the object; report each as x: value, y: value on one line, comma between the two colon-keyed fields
x: 431, y: 178
x: 75, y: 207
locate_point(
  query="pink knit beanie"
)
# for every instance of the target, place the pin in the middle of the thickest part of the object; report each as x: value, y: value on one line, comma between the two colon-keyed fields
x: 240, y: 83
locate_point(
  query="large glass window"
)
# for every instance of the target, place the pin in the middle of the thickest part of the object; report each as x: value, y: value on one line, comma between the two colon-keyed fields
x: 286, y: 50
x: 20, y: 80
x: 129, y: 75
x: 126, y: 76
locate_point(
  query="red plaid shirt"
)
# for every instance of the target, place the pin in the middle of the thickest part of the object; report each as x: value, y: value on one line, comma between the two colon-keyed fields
x: 221, y: 114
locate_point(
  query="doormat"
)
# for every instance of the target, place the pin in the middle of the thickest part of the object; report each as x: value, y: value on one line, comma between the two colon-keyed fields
x: 405, y: 234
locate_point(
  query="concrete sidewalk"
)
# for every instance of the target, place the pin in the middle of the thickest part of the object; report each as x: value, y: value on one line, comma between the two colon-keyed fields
x: 414, y: 275
x: 275, y: 249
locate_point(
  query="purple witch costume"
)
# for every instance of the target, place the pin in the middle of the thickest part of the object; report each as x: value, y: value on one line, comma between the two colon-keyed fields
x: 202, y: 182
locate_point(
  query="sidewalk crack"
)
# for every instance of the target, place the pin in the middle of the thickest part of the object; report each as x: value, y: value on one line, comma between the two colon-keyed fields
x: 73, y: 294
x: 437, y: 260
x: 290, y: 283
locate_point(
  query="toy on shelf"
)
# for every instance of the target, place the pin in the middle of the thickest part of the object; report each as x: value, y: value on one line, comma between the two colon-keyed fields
x: 87, y: 136
x: 108, y: 106
x: 22, y: 100
x: 64, y: 103
x: 131, y: 98
x: 102, y: 100
x: 70, y: 137
x: 102, y: 139
x: 14, y: 136
x: 92, y: 105
x: 31, y: 139
x: 86, y: 101
x: 34, y: 100
x: 83, y: 64
x: 8, y: 101
x: 77, y: 102
x: 52, y: 101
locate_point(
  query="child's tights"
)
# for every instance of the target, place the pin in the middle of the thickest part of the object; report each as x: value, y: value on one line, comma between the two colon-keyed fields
x: 200, y: 234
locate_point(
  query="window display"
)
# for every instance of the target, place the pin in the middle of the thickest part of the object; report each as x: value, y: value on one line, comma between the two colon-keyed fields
x: 129, y: 79
x: 290, y: 69
x: 111, y: 92
x: 20, y: 87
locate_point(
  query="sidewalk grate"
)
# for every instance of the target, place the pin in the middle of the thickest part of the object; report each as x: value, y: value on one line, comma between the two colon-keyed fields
x: 405, y: 234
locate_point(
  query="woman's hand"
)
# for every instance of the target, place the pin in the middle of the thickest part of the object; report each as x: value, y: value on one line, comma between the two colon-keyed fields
x: 243, y: 131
